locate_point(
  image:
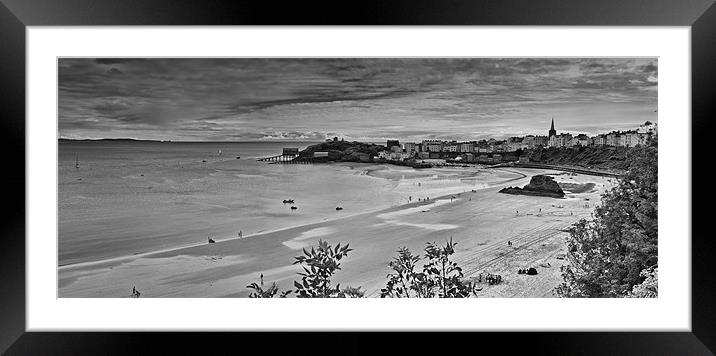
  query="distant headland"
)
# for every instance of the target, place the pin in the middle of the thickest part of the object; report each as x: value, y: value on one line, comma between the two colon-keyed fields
x: 107, y: 140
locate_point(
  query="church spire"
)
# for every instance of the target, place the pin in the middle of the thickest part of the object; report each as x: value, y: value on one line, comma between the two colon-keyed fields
x: 552, y: 128
x: 552, y: 131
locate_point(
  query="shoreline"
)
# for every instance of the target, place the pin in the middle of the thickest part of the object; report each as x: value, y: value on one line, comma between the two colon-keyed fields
x: 127, y: 258
x: 481, y: 222
x: 218, y: 241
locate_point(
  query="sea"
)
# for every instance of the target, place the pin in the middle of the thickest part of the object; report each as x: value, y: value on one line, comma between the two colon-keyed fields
x: 122, y: 198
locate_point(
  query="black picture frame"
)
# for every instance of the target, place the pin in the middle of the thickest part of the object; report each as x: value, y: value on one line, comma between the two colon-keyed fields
x: 16, y: 15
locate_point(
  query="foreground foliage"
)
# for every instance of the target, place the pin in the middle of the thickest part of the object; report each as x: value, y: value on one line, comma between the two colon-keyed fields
x: 440, y: 277
x: 260, y: 292
x: 319, y: 265
x: 617, y: 249
x: 649, y: 288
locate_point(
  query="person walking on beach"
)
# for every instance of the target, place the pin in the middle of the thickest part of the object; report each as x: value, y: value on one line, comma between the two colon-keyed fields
x: 241, y: 234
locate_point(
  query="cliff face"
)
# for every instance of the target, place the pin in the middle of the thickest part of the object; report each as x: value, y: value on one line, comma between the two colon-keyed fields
x: 594, y: 157
x: 540, y: 185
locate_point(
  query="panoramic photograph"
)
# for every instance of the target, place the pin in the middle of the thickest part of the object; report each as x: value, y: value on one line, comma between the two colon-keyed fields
x: 357, y: 177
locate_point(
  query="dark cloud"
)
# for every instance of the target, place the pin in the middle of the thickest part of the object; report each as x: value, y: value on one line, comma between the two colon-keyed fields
x: 110, y: 61
x: 305, y: 98
x: 649, y: 68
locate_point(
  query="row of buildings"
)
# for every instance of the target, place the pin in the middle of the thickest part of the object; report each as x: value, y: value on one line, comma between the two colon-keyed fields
x: 435, y: 148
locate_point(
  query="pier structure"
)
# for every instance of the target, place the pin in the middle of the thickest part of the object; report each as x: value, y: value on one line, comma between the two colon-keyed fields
x: 278, y: 158
x: 288, y: 155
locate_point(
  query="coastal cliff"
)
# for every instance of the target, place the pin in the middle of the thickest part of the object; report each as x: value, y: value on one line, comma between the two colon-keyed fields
x: 612, y: 158
x: 540, y: 185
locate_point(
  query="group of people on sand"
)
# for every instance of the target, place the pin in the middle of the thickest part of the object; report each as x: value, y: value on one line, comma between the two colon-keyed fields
x: 489, y: 278
x: 135, y: 292
x: 530, y: 271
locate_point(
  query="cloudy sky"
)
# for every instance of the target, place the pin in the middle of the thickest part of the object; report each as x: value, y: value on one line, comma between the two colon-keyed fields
x: 240, y: 99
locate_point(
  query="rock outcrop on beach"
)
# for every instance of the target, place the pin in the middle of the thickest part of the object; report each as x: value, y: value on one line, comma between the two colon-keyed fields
x: 540, y: 185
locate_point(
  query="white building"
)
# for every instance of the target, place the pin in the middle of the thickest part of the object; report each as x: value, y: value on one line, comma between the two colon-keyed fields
x: 410, y: 147
x: 599, y: 140
x: 561, y: 140
x: 451, y: 147
x: 614, y: 139
x: 633, y: 139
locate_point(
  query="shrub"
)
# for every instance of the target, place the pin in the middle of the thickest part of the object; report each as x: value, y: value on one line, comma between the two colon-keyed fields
x: 649, y: 288
x: 440, y: 276
x: 319, y: 264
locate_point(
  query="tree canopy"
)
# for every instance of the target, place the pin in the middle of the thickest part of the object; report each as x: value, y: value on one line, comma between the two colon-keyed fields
x: 608, y: 253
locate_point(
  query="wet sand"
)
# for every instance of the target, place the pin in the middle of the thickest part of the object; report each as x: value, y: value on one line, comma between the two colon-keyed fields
x: 481, y: 222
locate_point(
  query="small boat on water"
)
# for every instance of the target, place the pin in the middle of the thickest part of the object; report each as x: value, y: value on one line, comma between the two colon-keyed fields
x: 294, y: 207
x: 339, y: 208
x: 288, y: 201
x: 238, y: 157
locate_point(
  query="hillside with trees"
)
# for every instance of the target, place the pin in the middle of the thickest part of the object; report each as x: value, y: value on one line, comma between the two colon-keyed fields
x: 615, y: 254
x: 602, y: 157
x: 344, y: 151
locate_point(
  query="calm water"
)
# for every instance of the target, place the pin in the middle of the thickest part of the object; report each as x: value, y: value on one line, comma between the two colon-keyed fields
x: 134, y: 197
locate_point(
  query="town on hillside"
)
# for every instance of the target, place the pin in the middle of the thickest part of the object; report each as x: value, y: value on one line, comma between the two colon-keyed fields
x: 494, y: 151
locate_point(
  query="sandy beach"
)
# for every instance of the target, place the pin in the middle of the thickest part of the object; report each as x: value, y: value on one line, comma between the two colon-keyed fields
x: 480, y: 221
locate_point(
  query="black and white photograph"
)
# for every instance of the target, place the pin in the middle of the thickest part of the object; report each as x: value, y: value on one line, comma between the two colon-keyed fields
x: 365, y: 177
